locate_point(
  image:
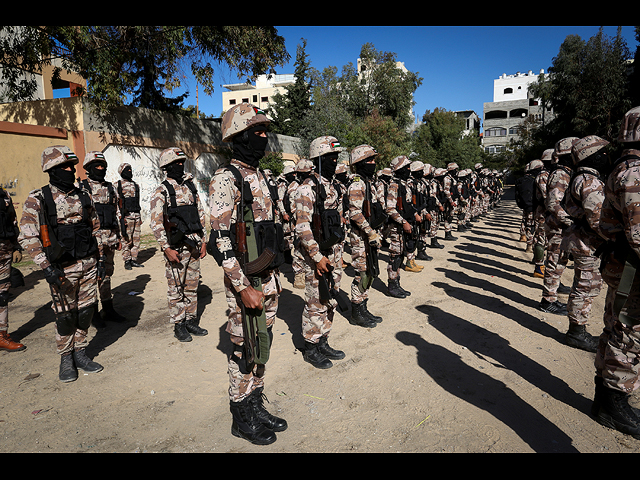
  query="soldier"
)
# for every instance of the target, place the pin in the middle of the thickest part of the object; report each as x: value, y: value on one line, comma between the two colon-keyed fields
x: 402, y: 217
x: 464, y: 197
x: 421, y: 198
x: 367, y: 215
x: 585, y: 196
x: 177, y: 222
x: 240, y: 200
x: 58, y: 229
x: 303, y: 168
x: 478, y: 188
x: 319, y: 226
x: 130, y: 218
x: 10, y: 252
x: 556, y: 220
x: 539, y: 235
x: 105, y: 201
x: 411, y: 240
x: 525, y: 194
x: 617, y: 358
x: 476, y: 193
x: 450, y: 190
x: 284, y: 180
x: 435, y: 186
x: 381, y: 184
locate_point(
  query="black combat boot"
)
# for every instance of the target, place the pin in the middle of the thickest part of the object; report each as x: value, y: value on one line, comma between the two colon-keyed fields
x: 435, y: 243
x: 611, y: 408
x: 135, y: 264
x: 359, y: 317
x: 247, y: 425
x: 84, y: 363
x: 68, y: 371
x: 328, y: 351
x: 462, y: 227
x: 552, y: 307
x: 194, y: 329
x: 449, y: 236
x: 312, y: 355
x: 181, y: 333
x: 578, y: 337
x: 395, y: 290
x: 273, y: 423
x: 367, y: 313
x: 422, y: 255
x: 127, y: 265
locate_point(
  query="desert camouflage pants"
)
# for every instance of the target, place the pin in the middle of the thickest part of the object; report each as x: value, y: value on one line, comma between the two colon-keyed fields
x: 298, y: 257
x: 587, y: 282
x: 539, y: 238
x: 357, y: 239
x: 182, y: 284
x: 242, y: 384
x: 435, y: 224
x: 131, y: 240
x: 6, y: 254
x: 618, y: 355
x: 78, y: 292
x: 104, y: 285
x: 528, y: 226
x: 317, y: 316
x: 447, y: 219
x: 554, y: 265
x: 396, y: 249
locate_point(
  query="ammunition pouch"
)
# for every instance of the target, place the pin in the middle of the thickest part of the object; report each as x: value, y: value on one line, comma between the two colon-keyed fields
x: 332, y: 231
x: 378, y: 216
x: 183, y: 220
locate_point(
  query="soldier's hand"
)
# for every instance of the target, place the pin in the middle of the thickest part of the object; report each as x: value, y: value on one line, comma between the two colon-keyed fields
x: 172, y: 255
x: 406, y: 227
x: 441, y: 208
x: 252, y: 298
x: 285, y: 217
x: 322, y: 266
x: 203, y: 250
x: 53, y: 276
x: 418, y: 218
x: 16, y: 257
x: 375, y: 240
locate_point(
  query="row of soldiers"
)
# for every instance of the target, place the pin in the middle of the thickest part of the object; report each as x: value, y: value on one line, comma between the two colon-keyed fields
x: 72, y: 230
x: 584, y: 206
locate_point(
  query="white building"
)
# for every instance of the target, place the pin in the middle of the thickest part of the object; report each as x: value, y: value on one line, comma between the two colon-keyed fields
x: 261, y: 94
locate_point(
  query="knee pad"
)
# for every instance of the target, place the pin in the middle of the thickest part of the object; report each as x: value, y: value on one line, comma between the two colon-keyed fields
x: 66, y: 323
x: 85, y: 316
x: 4, y: 298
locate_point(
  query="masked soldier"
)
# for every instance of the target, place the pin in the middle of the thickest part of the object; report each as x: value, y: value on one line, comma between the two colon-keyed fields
x: 450, y: 189
x: 367, y: 215
x: 319, y: 226
x: 177, y: 222
x: 303, y: 168
x: 285, y: 179
x: 58, y: 229
x: 402, y: 218
x: 617, y: 358
x: 585, y: 196
x: 556, y: 220
x: 130, y: 219
x: 539, y: 234
x: 105, y: 201
x: 464, y: 195
x: 10, y: 252
x: 247, y: 241
x: 420, y: 198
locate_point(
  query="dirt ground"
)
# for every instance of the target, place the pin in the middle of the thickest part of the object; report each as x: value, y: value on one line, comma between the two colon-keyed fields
x: 467, y: 364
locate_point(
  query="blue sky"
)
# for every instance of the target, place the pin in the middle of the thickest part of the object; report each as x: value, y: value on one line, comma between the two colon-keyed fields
x: 458, y: 64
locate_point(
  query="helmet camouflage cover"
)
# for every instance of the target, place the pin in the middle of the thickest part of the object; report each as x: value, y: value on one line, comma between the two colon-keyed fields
x: 240, y: 118
x: 362, y: 152
x: 57, y: 155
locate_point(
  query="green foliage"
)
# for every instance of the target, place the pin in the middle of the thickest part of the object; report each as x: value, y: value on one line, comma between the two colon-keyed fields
x: 272, y: 161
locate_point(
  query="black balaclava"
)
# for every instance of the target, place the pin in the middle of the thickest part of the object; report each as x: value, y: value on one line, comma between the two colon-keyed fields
x: 342, y: 177
x: 96, y: 174
x: 62, y: 179
x: 290, y: 177
x: 366, y: 170
x: 175, y: 170
x: 599, y: 161
x: 403, y: 173
x: 418, y: 174
x: 248, y: 147
x: 127, y: 174
x: 327, y: 165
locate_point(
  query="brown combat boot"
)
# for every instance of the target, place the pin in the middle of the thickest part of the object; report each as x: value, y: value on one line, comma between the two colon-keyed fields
x: 9, y: 345
x: 412, y: 266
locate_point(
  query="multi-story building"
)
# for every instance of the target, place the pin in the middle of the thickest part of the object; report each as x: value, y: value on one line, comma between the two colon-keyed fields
x: 512, y: 104
x: 261, y: 94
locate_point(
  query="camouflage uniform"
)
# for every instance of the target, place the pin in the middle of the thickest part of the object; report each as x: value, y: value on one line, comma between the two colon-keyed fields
x: 437, y: 214
x: 286, y: 214
x: 450, y: 189
x: 303, y: 166
x: 539, y: 233
x: 584, y: 204
x: 130, y: 218
x: 618, y: 354
x: 251, y: 421
x: 183, y: 276
x: 73, y: 280
x: 10, y: 251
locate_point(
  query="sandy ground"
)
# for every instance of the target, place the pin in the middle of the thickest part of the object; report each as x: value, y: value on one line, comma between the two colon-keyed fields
x: 466, y: 364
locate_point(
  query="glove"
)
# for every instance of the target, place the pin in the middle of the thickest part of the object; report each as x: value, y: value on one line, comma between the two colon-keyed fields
x: 16, y: 257
x: 102, y: 269
x: 53, y: 276
x: 375, y: 240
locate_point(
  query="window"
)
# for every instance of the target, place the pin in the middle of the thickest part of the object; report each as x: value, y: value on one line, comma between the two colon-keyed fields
x: 508, y: 90
x: 255, y: 99
x: 245, y: 100
x: 232, y: 101
x: 496, y: 132
x: 264, y: 99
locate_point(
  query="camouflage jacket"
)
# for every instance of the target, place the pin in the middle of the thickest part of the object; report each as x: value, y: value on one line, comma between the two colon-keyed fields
x: 434, y: 190
x: 100, y: 194
x: 128, y: 191
x: 356, y: 193
x: 69, y: 210
x: 621, y: 210
x: 584, y: 204
x: 450, y: 187
x: 160, y: 203
x: 556, y: 216
x: 305, y: 205
x: 392, y: 200
x: 541, y: 192
x: 224, y: 198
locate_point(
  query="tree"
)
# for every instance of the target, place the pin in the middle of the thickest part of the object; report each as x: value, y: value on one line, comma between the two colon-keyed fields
x: 136, y: 62
x: 289, y: 109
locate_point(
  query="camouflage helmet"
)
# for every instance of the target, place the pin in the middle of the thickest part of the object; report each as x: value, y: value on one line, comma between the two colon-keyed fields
x: 477, y: 167
x: 386, y: 171
x: 563, y: 147
x: 416, y: 166
x: 287, y: 170
x: 57, y: 155
x: 122, y: 168
x: 587, y: 146
x: 304, y: 165
x: 324, y: 145
x: 534, y: 165
x: 93, y: 157
x: 240, y: 118
x: 341, y: 168
x: 428, y: 169
x: 439, y: 172
x: 171, y: 155
x: 464, y: 172
x: 400, y: 162
x: 362, y: 152
x: 547, y: 155
x: 452, y: 166
x: 630, y: 129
